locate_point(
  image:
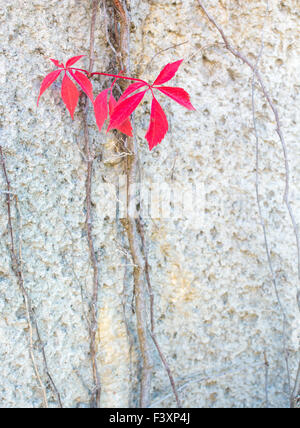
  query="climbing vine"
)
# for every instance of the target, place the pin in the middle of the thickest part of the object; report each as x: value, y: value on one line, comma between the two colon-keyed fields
x: 118, y: 112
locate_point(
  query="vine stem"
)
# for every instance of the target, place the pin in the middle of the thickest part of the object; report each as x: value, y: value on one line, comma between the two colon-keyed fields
x: 130, y: 225
x: 30, y: 314
x: 296, y: 388
x: 259, y: 78
x: 121, y: 77
x: 152, y: 318
x: 286, y: 198
x: 136, y: 238
x: 267, y: 246
x: 93, y: 326
x: 117, y: 76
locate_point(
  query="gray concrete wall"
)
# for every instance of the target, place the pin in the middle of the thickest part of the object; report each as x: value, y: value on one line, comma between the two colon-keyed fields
x: 216, y: 307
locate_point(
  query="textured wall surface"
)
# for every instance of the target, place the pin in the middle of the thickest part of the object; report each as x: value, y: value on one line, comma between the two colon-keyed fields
x: 216, y: 308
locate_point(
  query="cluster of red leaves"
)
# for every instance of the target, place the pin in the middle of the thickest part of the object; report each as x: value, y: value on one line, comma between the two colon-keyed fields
x: 105, y: 105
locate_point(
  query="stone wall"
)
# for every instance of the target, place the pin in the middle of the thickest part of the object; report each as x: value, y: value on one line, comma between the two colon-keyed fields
x: 216, y: 308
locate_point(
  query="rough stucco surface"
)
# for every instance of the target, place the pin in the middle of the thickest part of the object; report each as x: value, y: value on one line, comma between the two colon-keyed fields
x: 215, y: 303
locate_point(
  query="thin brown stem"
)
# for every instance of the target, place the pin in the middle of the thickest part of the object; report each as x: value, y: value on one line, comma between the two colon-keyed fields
x: 30, y: 315
x: 267, y: 366
x: 162, y: 51
x: 140, y: 306
x: 128, y: 333
x: 93, y: 325
x: 296, y: 390
x: 132, y: 168
x: 46, y: 366
x: 257, y: 183
x: 152, y: 317
x: 286, y: 198
x: 8, y: 201
x: 260, y: 80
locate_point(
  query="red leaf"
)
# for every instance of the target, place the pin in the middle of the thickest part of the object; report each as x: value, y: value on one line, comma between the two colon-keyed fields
x: 49, y: 79
x: 131, y: 88
x: 101, y: 108
x: 124, y: 109
x: 72, y: 60
x: 158, y: 125
x: 177, y: 94
x: 55, y: 62
x: 84, y: 83
x: 125, y: 127
x: 69, y: 94
x: 168, y: 72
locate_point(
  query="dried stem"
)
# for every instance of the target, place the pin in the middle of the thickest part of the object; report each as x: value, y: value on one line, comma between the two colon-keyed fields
x: 130, y: 340
x: 200, y: 378
x: 132, y: 168
x: 106, y: 30
x: 267, y: 365
x: 93, y: 325
x: 140, y: 305
x: 30, y: 315
x: 257, y: 182
x: 163, y: 51
x: 46, y: 364
x: 296, y: 390
x: 260, y: 80
x: 257, y: 76
x: 152, y: 318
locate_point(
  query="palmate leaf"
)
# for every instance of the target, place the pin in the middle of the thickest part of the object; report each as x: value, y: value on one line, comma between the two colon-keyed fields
x: 124, y: 109
x: 48, y: 80
x: 57, y: 63
x: 125, y: 127
x: 101, y: 112
x: 83, y: 82
x: 131, y: 88
x: 73, y: 60
x: 119, y: 111
x: 101, y: 108
x: 168, y: 72
x: 69, y: 94
x: 177, y: 94
x: 158, y: 125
